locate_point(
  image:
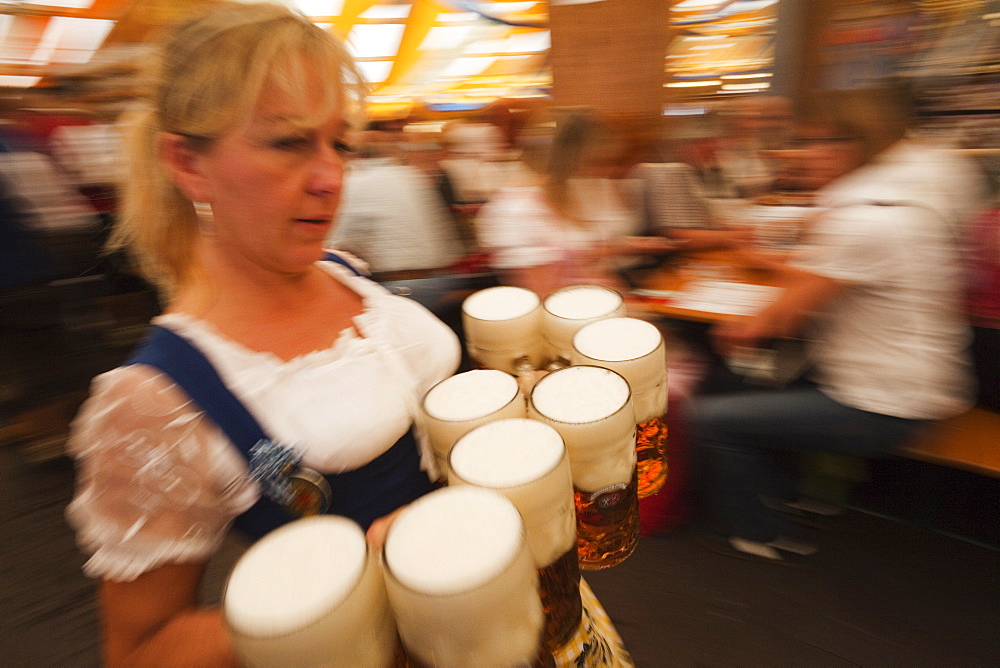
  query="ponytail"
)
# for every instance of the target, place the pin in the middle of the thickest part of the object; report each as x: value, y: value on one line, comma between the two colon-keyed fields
x: 157, y: 223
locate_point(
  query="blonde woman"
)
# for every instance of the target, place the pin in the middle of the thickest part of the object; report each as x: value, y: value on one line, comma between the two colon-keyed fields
x: 573, y: 225
x: 235, y: 172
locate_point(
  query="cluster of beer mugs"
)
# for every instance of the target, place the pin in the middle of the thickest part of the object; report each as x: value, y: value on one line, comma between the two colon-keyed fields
x: 456, y: 585
x: 511, y: 329
x: 478, y: 427
x: 486, y: 570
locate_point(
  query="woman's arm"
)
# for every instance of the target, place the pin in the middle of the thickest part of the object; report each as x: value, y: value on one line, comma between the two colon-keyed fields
x: 541, y: 279
x: 151, y: 472
x: 155, y: 621
x: 804, y: 294
x: 698, y: 239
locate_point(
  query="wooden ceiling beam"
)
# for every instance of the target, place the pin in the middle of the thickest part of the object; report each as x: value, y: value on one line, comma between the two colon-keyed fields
x: 23, y: 70
x: 107, y: 13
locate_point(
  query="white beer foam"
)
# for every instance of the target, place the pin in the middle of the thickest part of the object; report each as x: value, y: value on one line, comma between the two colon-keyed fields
x: 500, y: 303
x: 617, y: 339
x: 507, y: 453
x: 470, y: 395
x: 453, y: 540
x: 582, y: 302
x: 294, y: 575
x: 579, y: 394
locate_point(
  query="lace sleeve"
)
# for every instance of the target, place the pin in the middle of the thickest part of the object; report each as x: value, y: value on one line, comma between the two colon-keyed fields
x: 157, y: 482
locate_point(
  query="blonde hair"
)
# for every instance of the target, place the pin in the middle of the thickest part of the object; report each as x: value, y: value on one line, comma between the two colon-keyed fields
x: 582, y: 139
x: 208, y: 78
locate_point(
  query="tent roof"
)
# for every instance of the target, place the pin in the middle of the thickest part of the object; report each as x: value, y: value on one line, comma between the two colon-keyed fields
x: 463, y: 53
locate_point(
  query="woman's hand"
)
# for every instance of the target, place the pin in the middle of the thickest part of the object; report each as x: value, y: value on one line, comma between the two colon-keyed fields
x: 749, y: 332
x: 379, y: 529
x: 737, y: 237
x: 648, y: 245
x: 804, y: 295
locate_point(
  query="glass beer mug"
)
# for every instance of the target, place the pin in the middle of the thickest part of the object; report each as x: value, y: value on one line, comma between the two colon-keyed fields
x: 567, y: 310
x: 462, y: 402
x: 591, y: 408
x: 461, y: 581
x: 635, y: 349
x: 526, y: 461
x: 502, y: 328
x: 308, y: 594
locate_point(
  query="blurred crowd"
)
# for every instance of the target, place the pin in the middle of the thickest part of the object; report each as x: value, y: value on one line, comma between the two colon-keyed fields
x: 541, y: 197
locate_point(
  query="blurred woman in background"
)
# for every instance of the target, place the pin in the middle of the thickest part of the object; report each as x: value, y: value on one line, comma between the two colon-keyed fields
x: 574, y: 225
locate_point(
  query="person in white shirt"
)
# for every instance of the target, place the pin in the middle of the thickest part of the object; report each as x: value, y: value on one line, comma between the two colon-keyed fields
x: 392, y: 216
x: 877, y: 296
x: 576, y: 221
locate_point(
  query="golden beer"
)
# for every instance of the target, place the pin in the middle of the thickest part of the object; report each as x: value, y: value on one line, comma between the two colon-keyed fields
x: 526, y: 461
x: 607, y: 524
x: 651, y: 456
x: 559, y: 586
x: 635, y: 349
x: 591, y: 408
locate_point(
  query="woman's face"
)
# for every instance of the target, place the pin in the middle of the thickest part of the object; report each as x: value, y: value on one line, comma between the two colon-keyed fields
x: 275, y: 183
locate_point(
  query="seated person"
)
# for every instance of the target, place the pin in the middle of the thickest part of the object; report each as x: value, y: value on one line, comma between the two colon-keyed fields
x: 878, y: 296
x: 675, y: 208
x: 576, y: 227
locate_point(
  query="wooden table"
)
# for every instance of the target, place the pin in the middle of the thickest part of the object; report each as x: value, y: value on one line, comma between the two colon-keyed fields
x: 666, y: 291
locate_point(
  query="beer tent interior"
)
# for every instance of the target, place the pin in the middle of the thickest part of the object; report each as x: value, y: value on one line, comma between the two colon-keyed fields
x: 435, y: 57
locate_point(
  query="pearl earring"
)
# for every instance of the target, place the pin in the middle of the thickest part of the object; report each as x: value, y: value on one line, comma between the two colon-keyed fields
x: 206, y: 218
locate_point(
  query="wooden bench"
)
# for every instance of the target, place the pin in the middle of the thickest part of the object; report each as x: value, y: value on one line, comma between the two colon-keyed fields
x: 969, y: 441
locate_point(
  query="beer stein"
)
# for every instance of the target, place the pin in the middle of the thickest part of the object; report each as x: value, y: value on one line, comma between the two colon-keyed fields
x: 567, y: 310
x: 462, y: 402
x: 310, y: 594
x: 502, y: 328
x: 526, y: 461
x: 591, y: 408
x: 461, y: 581
x: 634, y: 349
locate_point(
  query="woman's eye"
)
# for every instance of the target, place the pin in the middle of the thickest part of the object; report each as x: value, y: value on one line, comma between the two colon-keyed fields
x: 292, y: 143
x: 343, y: 148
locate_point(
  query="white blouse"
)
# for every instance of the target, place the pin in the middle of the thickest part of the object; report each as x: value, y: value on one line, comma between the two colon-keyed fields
x: 158, y: 482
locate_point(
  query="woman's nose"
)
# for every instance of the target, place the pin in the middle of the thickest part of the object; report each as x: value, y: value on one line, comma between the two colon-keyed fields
x: 327, y: 175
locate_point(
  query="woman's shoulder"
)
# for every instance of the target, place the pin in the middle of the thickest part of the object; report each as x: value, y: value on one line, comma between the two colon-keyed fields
x: 158, y: 481
x: 338, y: 258
x: 123, y: 400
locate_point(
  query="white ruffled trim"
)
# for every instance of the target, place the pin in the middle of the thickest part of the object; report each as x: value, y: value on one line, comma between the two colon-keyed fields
x: 120, y: 564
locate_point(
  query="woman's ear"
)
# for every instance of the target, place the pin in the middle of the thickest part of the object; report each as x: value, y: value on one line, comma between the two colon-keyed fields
x: 185, y: 166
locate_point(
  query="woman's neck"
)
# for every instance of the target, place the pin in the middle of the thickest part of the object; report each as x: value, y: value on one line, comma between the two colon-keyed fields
x: 224, y: 287
x: 288, y: 315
